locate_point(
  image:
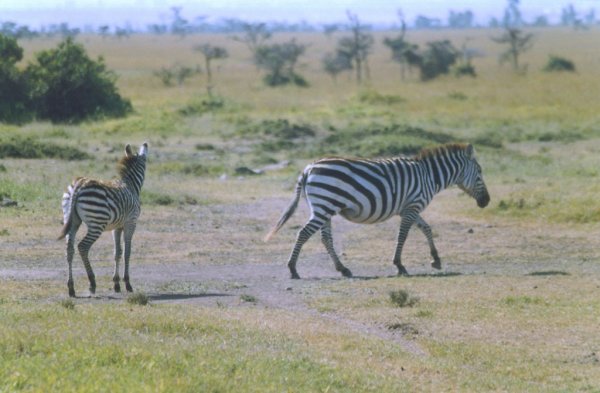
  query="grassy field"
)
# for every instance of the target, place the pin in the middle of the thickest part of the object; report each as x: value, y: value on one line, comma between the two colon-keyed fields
x: 516, y: 308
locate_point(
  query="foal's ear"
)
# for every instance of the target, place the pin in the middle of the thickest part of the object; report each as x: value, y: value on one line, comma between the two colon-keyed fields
x: 128, y: 152
x: 470, y: 151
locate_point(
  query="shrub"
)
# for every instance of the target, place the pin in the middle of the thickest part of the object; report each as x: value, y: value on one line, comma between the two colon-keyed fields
x: 464, y: 70
x: 279, y: 60
x: 402, y: 298
x: 139, y: 298
x: 15, y: 106
x: 556, y: 63
x: 68, y: 86
x: 17, y: 147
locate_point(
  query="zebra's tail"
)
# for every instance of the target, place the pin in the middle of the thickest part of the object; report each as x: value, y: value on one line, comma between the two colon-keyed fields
x: 68, y: 206
x: 291, y: 208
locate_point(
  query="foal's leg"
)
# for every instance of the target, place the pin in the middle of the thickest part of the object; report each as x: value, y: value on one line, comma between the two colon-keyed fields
x: 118, y: 252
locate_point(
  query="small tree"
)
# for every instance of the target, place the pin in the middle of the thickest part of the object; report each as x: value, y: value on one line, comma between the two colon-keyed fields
x: 68, y: 86
x: 280, y: 60
x: 518, y: 43
x: 403, y: 52
x: 210, y: 53
x: 335, y: 64
x: 255, y: 36
x: 357, y: 47
x: 437, y: 59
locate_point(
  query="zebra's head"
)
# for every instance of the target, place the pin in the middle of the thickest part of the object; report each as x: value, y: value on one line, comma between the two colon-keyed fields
x: 471, y: 180
x: 132, y: 167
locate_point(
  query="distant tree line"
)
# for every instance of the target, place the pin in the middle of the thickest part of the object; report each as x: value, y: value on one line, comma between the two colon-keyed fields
x: 181, y: 26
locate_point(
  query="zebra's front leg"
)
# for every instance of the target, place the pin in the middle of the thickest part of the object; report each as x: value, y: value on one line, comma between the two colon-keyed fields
x: 129, y: 230
x: 84, y: 249
x: 408, y: 220
x: 118, y: 253
x: 327, y: 240
x: 426, y: 229
x: 305, y: 233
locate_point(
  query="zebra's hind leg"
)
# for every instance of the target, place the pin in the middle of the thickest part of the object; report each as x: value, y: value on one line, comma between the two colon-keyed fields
x: 408, y: 220
x: 305, y: 233
x: 327, y: 240
x: 426, y: 229
x: 84, y: 249
x: 128, y: 232
x: 118, y: 253
x: 70, y: 252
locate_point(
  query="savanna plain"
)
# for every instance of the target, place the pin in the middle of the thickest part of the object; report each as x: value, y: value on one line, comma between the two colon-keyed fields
x: 515, y: 308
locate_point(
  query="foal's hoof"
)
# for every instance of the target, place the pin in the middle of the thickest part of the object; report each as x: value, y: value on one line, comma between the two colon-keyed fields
x: 346, y: 272
x: 437, y: 264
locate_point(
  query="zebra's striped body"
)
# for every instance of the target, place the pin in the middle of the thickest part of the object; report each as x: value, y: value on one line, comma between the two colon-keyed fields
x: 105, y: 206
x: 372, y: 191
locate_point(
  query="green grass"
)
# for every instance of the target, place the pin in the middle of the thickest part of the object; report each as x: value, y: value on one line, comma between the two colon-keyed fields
x: 496, y: 327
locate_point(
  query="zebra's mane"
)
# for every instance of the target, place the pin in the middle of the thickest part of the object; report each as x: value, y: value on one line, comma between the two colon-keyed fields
x: 125, y: 164
x: 440, y: 150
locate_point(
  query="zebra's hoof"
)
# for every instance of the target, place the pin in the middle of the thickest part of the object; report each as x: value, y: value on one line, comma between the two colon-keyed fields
x: 294, y: 275
x: 402, y: 271
x: 346, y: 272
x: 71, y: 292
x: 437, y: 264
x: 128, y: 287
x: 117, y: 287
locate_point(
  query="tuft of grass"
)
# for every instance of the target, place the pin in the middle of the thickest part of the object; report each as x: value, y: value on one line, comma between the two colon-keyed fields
x: 155, y: 198
x: 139, y: 298
x: 373, y: 97
x: 69, y: 304
x: 521, y: 301
x: 402, y: 298
x: 18, y: 147
x: 203, y: 105
x: 248, y: 298
x: 549, y: 273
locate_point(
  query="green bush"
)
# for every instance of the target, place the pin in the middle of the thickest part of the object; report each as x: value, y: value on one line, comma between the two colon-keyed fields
x: 17, y: 147
x: 15, y: 105
x: 69, y: 87
x: 556, y: 63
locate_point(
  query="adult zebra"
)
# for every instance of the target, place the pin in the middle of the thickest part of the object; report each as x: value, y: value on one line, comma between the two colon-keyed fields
x: 371, y: 191
x: 105, y: 206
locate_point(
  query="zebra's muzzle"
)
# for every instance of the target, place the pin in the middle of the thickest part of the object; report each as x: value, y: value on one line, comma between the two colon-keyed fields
x: 483, y: 200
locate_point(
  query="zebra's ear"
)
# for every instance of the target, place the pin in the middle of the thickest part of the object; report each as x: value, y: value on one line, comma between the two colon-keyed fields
x: 470, y: 151
x: 128, y: 151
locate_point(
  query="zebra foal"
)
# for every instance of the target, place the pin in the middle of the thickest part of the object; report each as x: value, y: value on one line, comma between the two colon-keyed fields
x: 105, y: 206
x: 371, y: 191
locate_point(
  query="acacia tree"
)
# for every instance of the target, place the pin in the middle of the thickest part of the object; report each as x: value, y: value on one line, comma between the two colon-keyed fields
x: 403, y: 52
x: 333, y: 65
x: 357, y: 47
x: 518, y: 42
x: 280, y: 60
x: 210, y: 53
x: 255, y: 36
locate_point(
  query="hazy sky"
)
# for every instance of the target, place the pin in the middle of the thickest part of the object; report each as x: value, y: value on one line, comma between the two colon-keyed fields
x: 142, y: 12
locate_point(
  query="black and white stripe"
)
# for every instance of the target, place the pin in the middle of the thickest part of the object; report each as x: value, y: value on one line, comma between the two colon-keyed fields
x: 371, y: 191
x: 105, y: 206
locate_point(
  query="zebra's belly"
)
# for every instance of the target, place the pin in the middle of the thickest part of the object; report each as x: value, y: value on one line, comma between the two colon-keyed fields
x: 363, y: 218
